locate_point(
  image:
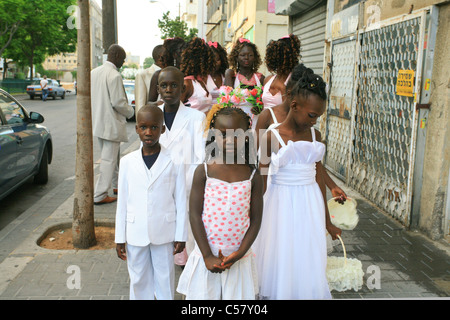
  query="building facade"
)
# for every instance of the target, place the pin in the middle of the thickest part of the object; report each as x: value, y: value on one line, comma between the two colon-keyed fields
x: 67, y: 62
x: 227, y: 21
x: 386, y: 125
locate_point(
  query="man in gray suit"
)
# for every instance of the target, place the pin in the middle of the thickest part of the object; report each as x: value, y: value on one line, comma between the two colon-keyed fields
x: 110, y: 111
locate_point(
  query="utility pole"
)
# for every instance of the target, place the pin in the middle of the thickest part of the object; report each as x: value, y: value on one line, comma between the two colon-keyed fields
x: 83, y: 229
x: 109, y: 22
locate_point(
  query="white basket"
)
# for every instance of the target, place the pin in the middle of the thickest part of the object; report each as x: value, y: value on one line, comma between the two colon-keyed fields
x: 344, y: 274
x: 343, y: 216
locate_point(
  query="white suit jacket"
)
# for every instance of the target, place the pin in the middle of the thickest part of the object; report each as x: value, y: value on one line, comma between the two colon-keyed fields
x: 142, y: 86
x: 151, y: 204
x: 110, y: 108
x: 186, y: 140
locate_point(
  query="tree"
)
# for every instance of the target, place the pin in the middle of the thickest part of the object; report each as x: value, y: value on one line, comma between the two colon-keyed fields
x: 171, y: 28
x: 11, y: 16
x: 44, y: 31
x: 83, y: 227
x: 148, y: 62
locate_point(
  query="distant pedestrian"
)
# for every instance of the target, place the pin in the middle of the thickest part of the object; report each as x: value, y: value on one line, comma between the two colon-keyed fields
x: 151, y: 211
x: 44, y: 88
x: 110, y: 110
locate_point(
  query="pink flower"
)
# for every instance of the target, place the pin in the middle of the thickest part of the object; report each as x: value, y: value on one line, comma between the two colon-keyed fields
x: 225, y: 99
x: 235, y: 99
x: 225, y: 90
x: 245, y: 92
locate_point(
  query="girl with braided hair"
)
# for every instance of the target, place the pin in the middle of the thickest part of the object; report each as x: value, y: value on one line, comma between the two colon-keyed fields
x: 170, y: 56
x: 217, y: 78
x: 291, y: 248
x: 244, y: 61
x: 274, y: 116
x: 281, y: 57
x: 197, y: 63
x: 225, y: 214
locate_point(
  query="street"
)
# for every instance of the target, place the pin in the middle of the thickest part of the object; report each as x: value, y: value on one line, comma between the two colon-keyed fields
x: 60, y: 119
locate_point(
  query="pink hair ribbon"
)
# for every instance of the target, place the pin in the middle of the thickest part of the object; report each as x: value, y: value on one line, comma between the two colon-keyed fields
x: 242, y: 40
x: 212, y: 44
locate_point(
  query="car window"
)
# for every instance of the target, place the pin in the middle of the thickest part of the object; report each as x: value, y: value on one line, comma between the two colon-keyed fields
x: 11, y: 110
x: 129, y: 88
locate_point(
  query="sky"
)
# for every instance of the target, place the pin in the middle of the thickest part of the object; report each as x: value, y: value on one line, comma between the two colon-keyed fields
x: 137, y: 22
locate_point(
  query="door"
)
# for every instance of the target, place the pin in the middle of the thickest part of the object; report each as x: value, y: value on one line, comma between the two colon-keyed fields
x: 385, y: 122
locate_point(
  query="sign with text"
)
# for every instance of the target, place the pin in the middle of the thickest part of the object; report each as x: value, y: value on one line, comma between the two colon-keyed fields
x: 405, y: 83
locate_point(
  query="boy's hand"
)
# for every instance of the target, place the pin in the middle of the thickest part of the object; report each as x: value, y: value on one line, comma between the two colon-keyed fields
x: 178, y: 247
x: 121, y: 251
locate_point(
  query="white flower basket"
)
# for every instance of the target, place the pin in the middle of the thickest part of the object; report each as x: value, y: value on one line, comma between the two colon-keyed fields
x: 343, y: 216
x: 344, y: 274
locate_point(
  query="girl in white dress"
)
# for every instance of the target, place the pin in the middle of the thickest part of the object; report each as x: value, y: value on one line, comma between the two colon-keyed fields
x: 225, y: 213
x: 291, y: 250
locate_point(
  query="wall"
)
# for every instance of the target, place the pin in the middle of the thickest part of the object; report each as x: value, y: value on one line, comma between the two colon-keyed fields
x: 437, y: 154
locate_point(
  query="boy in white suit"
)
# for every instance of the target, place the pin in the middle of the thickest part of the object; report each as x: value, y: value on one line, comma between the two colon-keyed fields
x: 151, y: 219
x: 184, y: 135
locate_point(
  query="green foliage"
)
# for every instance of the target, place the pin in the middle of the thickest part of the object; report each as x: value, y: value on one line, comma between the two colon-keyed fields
x: 148, y: 62
x: 11, y: 16
x: 171, y: 28
x: 43, y: 32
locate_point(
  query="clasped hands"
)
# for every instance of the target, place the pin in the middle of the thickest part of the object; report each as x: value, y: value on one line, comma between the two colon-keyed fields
x: 221, y: 263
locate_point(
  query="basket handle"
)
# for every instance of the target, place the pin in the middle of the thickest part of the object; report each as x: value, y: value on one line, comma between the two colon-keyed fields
x: 343, y: 247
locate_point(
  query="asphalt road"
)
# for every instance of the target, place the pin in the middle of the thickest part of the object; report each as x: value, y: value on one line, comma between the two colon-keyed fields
x: 60, y: 119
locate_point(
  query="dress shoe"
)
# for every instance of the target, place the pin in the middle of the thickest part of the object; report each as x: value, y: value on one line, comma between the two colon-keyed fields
x: 115, y: 191
x: 106, y: 200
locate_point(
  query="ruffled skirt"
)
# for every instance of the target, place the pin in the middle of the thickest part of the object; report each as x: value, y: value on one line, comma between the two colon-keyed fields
x: 237, y: 283
x: 291, y: 247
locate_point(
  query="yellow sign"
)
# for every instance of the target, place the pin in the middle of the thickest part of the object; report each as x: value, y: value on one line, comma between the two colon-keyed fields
x: 405, y: 83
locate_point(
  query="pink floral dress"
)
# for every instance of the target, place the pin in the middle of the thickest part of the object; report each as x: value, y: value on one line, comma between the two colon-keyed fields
x: 226, y: 219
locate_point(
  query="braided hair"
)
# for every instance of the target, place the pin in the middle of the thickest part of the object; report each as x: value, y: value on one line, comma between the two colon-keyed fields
x: 197, y: 59
x: 283, y: 55
x: 217, y: 110
x: 234, y: 54
x: 223, y: 56
x: 173, y: 47
x: 309, y: 84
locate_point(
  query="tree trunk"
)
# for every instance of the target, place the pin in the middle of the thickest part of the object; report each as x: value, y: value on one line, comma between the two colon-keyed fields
x: 83, y: 228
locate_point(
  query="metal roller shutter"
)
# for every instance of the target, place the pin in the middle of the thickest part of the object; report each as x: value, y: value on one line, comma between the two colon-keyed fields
x: 310, y: 29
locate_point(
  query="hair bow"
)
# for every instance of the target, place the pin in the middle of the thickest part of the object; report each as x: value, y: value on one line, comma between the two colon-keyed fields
x: 286, y: 37
x: 242, y: 40
x: 212, y: 44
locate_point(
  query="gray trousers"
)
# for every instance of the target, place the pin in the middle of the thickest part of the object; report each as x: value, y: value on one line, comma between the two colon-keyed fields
x: 109, y: 168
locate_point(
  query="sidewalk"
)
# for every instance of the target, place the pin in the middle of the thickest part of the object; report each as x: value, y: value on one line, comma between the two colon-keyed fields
x: 411, y: 266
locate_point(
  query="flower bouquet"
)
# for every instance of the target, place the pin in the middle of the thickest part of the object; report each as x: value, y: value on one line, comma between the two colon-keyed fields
x: 254, y: 97
x: 229, y: 97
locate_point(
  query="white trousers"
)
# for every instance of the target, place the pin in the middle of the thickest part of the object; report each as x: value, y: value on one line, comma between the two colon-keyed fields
x: 152, y: 273
x: 109, y: 168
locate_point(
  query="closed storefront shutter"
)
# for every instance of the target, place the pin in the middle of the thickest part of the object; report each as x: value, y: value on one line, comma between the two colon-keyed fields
x: 310, y: 29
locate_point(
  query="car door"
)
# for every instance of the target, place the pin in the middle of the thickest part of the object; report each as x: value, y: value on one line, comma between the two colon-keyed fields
x: 8, y: 155
x: 26, y: 136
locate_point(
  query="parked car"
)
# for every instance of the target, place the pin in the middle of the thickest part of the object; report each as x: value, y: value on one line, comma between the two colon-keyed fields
x: 26, y: 147
x: 129, y: 90
x: 54, y: 89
